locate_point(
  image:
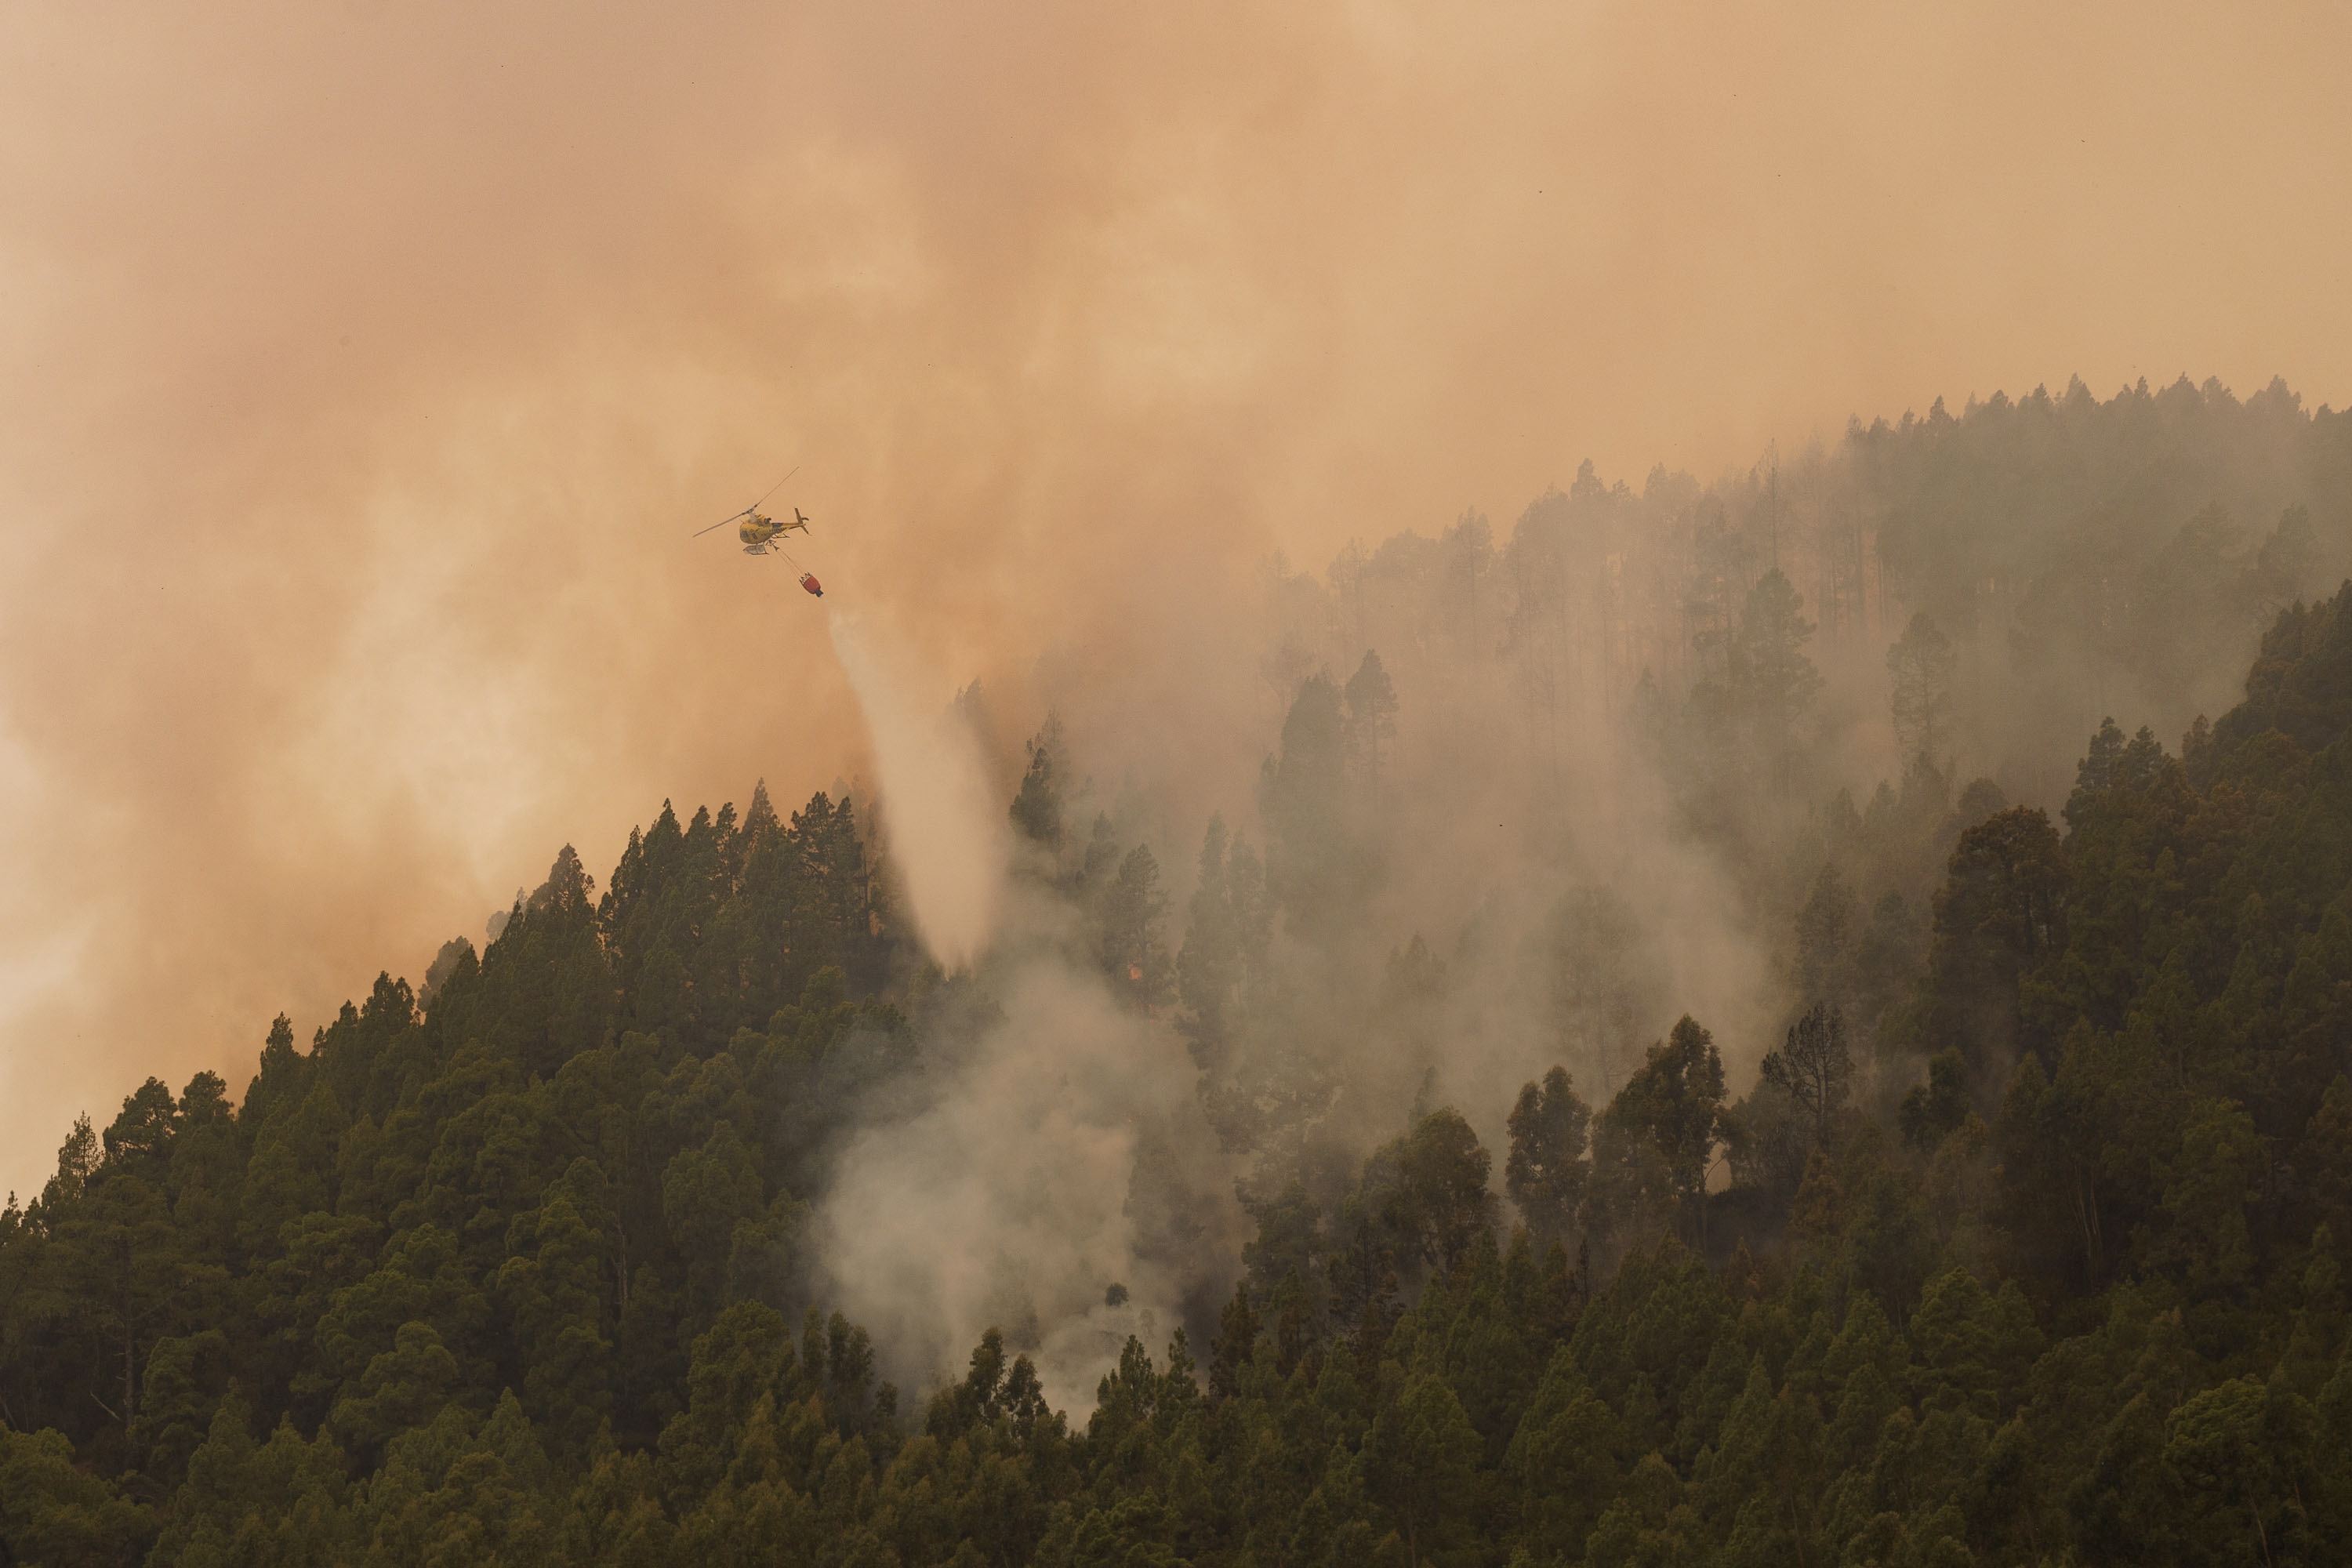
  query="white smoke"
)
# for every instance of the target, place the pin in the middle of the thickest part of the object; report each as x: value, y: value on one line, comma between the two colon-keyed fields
x: 1005, y: 1202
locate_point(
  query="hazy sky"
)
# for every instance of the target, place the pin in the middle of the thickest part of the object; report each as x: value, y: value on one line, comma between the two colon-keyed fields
x: 366, y: 367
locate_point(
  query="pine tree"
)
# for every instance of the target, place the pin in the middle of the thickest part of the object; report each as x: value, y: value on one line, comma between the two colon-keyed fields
x: 1422, y: 1458
x: 1677, y: 1101
x: 1825, y: 941
x: 1776, y: 682
x: 1545, y: 1171
x: 1037, y: 811
x: 1235, y: 1345
x: 1300, y: 800
x: 552, y: 1288
x: 1372, y: 703
x: 1208, y: 968
x: 1814, y: 1068
x: 1602, y: 976
x: 1133, y: 953
x: 1921, y: 662
x: 1999, y: 916
x: 1430, y: 1188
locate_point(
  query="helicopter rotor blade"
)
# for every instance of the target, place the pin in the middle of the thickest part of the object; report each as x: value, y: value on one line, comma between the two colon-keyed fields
x: 771, y: 490
x: 721, y: 523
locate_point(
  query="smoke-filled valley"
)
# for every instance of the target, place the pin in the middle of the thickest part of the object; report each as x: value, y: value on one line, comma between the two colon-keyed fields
x: 1793, y: 1016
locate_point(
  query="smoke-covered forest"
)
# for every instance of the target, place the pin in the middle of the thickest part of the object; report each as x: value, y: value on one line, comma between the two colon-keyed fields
x: 1803, y: 1017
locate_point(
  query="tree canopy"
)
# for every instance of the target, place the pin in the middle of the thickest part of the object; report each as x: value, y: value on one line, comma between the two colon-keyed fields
x: 2019, y: 1233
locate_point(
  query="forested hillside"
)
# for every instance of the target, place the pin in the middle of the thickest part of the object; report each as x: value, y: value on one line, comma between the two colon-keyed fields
x: 2024, y: 1242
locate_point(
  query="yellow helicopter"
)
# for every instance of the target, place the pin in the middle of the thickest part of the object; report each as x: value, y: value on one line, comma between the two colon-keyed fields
x: 758, y: 530
x: 761, y: 533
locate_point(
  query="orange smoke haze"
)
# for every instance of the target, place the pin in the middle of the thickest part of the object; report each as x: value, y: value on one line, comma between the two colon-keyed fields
x: 366, y: 368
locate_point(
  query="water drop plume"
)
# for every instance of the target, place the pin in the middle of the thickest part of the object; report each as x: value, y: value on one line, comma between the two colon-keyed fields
x: 946, y: 838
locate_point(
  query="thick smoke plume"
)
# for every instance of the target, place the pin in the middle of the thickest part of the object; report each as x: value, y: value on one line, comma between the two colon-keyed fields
x: 1006, y: 1199
x: 369, y: 366
x: 1522, y: 802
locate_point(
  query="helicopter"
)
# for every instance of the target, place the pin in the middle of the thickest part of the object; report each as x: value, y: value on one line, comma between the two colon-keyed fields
x: 759, y: 529
x: 761, y: 534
